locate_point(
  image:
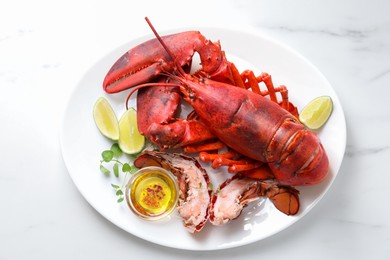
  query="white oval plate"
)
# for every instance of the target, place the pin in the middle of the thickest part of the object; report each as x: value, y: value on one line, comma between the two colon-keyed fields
x: 82, y: 144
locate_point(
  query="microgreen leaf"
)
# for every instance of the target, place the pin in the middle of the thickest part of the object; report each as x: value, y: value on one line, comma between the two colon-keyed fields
x: 126, y: 167
x: 116, y: 150
x: 133, y: 169
x: 119, y: 192
x: 104, y: 170
x: 107, y: 155
x: 120, y: 199
x: 116, y: 169
x: 115, y: 186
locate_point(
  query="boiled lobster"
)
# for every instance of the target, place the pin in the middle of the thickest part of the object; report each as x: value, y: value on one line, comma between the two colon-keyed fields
x: 249, y: 124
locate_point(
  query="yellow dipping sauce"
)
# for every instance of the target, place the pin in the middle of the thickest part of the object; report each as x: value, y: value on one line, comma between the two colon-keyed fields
x: 152, y: 193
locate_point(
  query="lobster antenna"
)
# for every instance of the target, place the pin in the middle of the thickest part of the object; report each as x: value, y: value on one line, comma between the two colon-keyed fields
x: 144, y: 86
x: 179, y: 68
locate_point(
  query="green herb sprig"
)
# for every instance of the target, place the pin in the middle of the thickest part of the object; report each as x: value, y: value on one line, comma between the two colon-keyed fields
x: 111, y: 158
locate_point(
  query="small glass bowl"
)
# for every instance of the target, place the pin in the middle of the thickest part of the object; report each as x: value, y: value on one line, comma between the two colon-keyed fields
x: 152, y: 193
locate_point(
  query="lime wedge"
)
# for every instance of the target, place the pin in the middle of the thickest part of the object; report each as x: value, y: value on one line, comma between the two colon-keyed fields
x: 316, y: 113
x: 130, y: 140
x: 105, y: 119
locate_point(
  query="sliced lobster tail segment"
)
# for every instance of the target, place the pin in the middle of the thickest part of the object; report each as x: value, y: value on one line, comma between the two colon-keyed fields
x: 237, y: 192
x: 194, y: 185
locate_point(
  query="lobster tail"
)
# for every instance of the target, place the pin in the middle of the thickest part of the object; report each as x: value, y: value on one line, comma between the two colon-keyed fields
x: 303, y: 161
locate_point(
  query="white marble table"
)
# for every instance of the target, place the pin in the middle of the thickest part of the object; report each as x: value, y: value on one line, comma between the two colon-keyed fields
x: 45, y: 48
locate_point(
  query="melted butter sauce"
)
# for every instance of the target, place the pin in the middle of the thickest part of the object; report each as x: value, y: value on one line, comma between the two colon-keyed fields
x: 153, y: 193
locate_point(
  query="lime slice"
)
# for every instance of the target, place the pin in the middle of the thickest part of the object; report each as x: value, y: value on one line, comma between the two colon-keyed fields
x: 105, y: 119
x: 316, y: 113
x: 130, y: 140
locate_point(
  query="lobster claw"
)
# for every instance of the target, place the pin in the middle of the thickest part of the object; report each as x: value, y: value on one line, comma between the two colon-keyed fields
x: 148, y: 60
x: 138, y: 65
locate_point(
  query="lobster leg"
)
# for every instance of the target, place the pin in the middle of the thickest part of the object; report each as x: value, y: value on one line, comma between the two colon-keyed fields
x: 209, y: 157
x: 252, y: 82
x: 211, y: 146
x: 260, y: 173
x: 235, y: 161
x: 248, y: 80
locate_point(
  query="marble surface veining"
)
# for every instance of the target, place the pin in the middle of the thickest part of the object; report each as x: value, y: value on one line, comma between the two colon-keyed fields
x: 46, y: 46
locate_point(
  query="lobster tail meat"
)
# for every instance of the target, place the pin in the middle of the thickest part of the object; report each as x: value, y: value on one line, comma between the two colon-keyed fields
x: 237, y: 192
x: 194, y: 185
